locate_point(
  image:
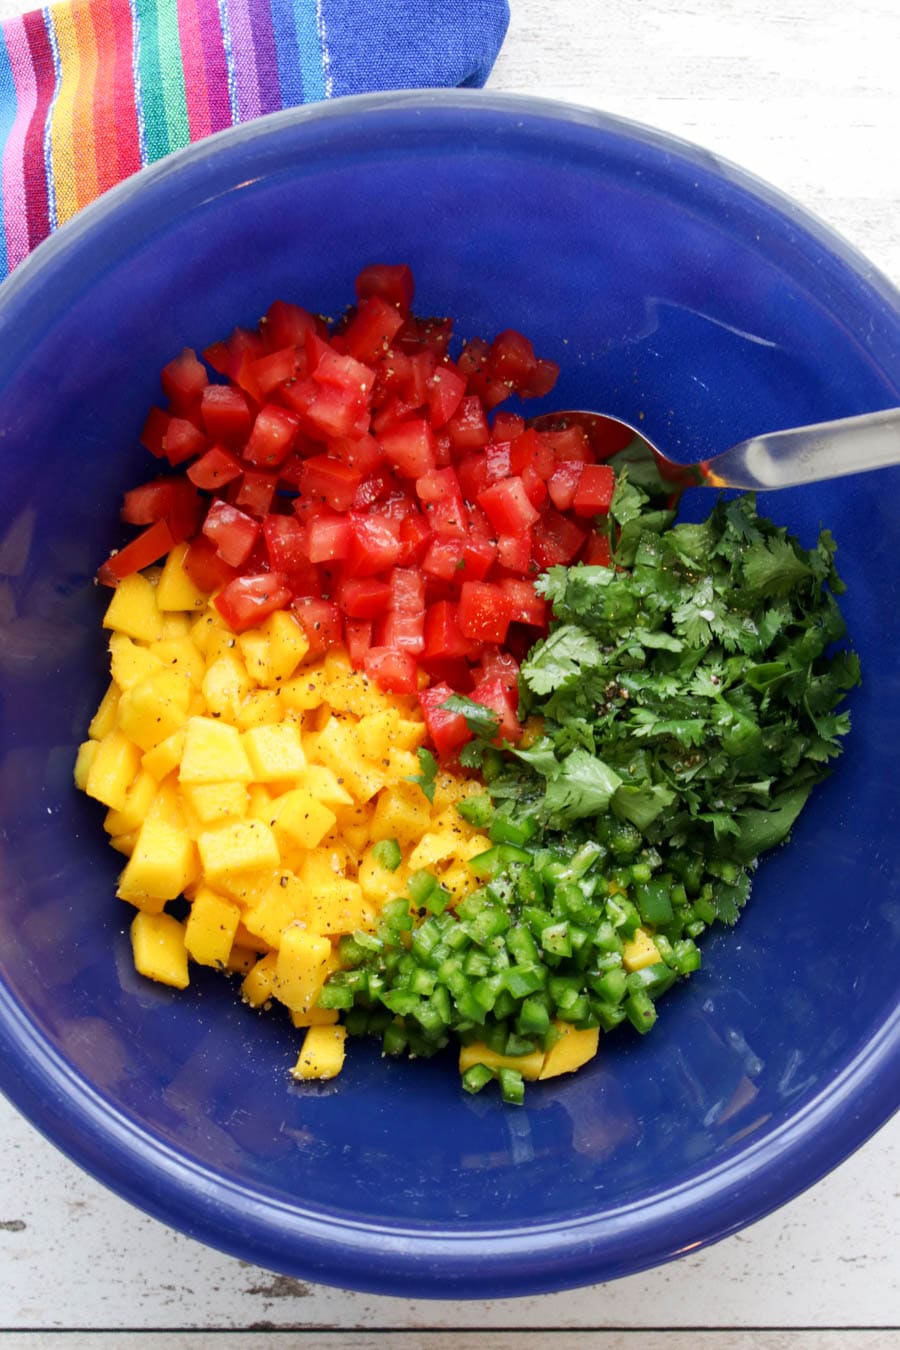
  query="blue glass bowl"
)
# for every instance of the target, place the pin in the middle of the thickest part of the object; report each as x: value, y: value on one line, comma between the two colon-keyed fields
x: 671, y: 288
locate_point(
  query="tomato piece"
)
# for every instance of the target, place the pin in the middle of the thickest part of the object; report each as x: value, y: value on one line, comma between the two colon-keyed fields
x: 149, y: 546
x: 479, y: 555
x: 409, y: 447
x: 446, y: 389
x: 445, y: 558
x: 363, y: 597
x: 217, y: 356
x: 440, y: 494
x: 442, y: 633
x: 497, y: 462
x: 508, y: 427
x: 286, y: 545
x: 215, y: 469
x: 401, y: 631
x: 514, y: 551
x: 594, y: 491
x: 153, y: 435
x: 507, y: 506
x: 272, y: 438
x: 183, y: 440
x: 320, y: 621
x: 374, y: 544
x: 597, y: 552
x: 497, y: 696
x: 485, y: 611
x: 226, y: 413
x: 512, y: 359
x: 394, y: 284
x: 327, y: 538
x: 563, y: 483
x: 325, y: 479
x: 328, y: 366
x: 425, y: 334
x: 556, y: 539
x: 358, y: 640
x: 255, y: 492
x: 247, y: 600
x: 471, y: 470
x: 231, y: 531
x: 526, y: 605
x: 447, y: 731
x: 336, y: 411
x: 546, y: 373
x: 360, y: 452
x: 205, y: 567
x: 530, y: 451
x: 468, y: 428
x: 172, y: 499
x: 568, y: 445
x: 498, y: 663
x: 371, y: 330
x: 393, y: 671
x: 415, y: 538
x: 183, y: 381
x: 272, y: 370
x: 286, y: 325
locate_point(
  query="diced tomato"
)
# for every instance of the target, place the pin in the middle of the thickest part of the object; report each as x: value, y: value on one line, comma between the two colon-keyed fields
x: 468, y: 428
x: 286, y: 325
x: 183, y: 381
x: 393, y: 671
x: 246, y: 601
x: 372, y: 490
x: 425, y: 334
x: 231, y: 531
x: 358, y: 640
x: 330, y: 480
x: 485, y: 611
x: 327, y: 537
x: 569, y: 444
x: 526, y: 605
x: 273, y: 369
x: 171, y: 499
x: 286, y: 545
x: 512, y: 358
x: 392, y: 283
x: 369, y: 333
x: 409, y: 447
x: 363, y: 597
x: 147, y: 548
x: 218, y: 356
x: 446, y: 730
x: 153, y: 435
x: 445, y: 393
x: 439, y: 493
x: 336, y: 411
x: 273, y: 435
x: 564, y: 482
x: 556, y: 539
x: 445, y: 558
x: 443, y: 635
x: 320, y: 621
x: 226, y: 413
x: 206, y: 569
x: 401, y: 631
x: 374, y: 544
x: 529, y: 450
x: 255, y: 492
x: 471, y: 471
x: 182, y: 440
x: 514, y: 551
x: 328, y: 366
x: 595, y: 490
x: 546, y: 373
x: 497, y: 462
x: 360, y: 452
x: 597, y: 551
x: 407, y: 590
x: 494, y: 694
x: 508, y: 427
x: 507, y: 506
x: 497, y: 663
x: 214, y: 469
x: 415, y: 538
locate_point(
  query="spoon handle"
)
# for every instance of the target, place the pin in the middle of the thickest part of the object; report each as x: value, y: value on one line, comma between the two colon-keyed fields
x: 784, y: 459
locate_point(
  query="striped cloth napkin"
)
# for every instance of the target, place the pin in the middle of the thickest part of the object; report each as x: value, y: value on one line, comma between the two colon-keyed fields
x: 91, y: 90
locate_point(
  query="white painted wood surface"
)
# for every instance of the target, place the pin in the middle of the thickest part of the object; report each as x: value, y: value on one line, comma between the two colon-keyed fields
x: 804, y: 93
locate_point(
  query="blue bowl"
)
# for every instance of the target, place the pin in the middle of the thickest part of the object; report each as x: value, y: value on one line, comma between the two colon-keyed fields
x: 673, y: 290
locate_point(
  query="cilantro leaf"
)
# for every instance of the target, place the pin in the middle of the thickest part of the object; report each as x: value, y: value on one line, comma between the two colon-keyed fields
x: 560, y: 658
x: 772, y: 568
x: 480, y: 720
x: 428, y: 776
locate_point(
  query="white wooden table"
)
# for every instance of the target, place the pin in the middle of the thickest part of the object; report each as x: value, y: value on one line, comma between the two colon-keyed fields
x: 806, y: 95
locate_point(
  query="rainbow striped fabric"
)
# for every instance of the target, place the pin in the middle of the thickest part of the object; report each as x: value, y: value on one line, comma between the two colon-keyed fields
x: 92, y: 90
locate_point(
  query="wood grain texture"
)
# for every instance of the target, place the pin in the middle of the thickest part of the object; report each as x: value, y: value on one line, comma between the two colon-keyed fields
x: 805, y: 94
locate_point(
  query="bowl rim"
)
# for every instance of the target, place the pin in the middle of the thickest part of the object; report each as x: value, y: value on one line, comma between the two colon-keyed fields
x: 425, y: 1260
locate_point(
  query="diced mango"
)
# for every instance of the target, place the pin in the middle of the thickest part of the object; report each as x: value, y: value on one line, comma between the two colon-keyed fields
x: 297, y: 818
x: 259, y: 707
x: 130, y: 662
x: 213, y: 753
x: 338, y: 748
x: 339, y: 908
x: 316, y: 1017
x: 529, y: 1066
x: 324, y: 786
x: 163, y: 758
x: 162, y: 864
x: 104, y: 718
x: 137, y: 804
x: 254, y: 649
x: 432, y: 848
x: 402, y: 813
x: 258, y: 985
x: 210, y: 928
x: 322, y: 1055
x: 275, y: 752
x: 87, y: 753
x: 181, y: 655
x: 288, y: 644
x: 226, y: 684
x: 133, y: 609
x: 574, y: 1048
x: 154, y: 709
x: 175, y: 590
x: 211, y: 802
x: 157, y: 944
x: 640, y: 951
x: 113, y: 767
x: 237, y: 846
x: 282, y: 903
x: 301, y: 967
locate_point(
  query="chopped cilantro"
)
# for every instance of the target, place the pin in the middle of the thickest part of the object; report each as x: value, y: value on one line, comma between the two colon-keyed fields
x: 425, y: 779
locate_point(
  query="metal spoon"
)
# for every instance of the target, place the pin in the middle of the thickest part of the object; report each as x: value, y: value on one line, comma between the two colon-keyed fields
x: 779, y: 459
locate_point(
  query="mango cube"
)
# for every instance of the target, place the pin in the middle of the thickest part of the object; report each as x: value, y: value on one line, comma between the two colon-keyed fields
x: 226, y: 684
x: 259, y: 983
x: 112, y: 770
x: 87, y: 753
x: 157, y: 944
x: 301, y: 967
x: 288, y: 644
x: 640, y: 951
x: 162, y: 864
x: 213, y: 753
x: 322, y: 1055
x: 574, y: 1048
x: 238, y: 846
x: 529, y: 1066
x: 211, y: 802
x: 175, y: 590
x: 210, y: 928
x: 155, y: 708
x: 275, y: 752
x: 133, y: 609
x: 104, y: 718
x: 297, y: 818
